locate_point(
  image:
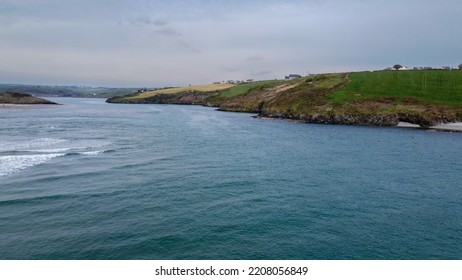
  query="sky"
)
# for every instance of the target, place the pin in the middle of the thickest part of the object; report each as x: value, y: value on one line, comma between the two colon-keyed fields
x: 141, y: 43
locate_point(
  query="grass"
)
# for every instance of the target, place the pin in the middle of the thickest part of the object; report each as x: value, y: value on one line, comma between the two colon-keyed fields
x: 201, y: 88
x: 427, y: 86
x: 245, y: 88
x: 211, y: 94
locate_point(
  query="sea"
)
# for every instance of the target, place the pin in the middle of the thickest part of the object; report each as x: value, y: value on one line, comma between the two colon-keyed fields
x: 89, y: 180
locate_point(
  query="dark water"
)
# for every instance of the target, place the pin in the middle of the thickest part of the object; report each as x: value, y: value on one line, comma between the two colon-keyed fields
x: 89, y: 180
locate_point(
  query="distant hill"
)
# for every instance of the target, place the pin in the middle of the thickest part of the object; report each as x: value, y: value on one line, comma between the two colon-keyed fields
x: 210, y: 95
x: 424, y: 97
x: 67, y: 91
x: 21, y: 98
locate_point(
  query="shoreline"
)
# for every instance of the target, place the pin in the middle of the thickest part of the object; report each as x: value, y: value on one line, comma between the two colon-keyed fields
x: 443, y: 127
x: 23, y: 106
x: 449, y: 127
x: 14, y: 98
x: 377, y: 121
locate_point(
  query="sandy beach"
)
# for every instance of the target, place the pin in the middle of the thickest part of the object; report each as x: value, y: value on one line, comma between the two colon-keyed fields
x: 23, y: 106
x: 442, y: 127
x: 11, y: 106
x: 448, y: 127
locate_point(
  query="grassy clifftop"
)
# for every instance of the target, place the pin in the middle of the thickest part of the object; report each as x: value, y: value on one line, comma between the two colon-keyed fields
x: 371, y: 98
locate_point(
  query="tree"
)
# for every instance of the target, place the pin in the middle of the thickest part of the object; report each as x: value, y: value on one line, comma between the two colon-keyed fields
x: 397, y: 66
x: 460, y: 66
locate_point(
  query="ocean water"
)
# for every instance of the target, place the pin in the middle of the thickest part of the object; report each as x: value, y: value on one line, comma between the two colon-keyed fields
x: 90, y: 180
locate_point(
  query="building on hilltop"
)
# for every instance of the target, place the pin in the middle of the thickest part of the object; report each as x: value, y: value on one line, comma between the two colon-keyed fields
x: 292, y: 76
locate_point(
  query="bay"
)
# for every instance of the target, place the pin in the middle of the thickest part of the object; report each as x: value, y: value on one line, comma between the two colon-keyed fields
x: 90, y: 180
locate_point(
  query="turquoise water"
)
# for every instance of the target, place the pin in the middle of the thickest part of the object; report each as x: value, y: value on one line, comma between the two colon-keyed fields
x: 90, y: 180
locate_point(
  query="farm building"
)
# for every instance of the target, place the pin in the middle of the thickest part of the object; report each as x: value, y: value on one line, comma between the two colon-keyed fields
x: 292, y: 76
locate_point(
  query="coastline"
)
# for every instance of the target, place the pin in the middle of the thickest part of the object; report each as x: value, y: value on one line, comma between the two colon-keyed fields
x: 447, y: 127
x: 365, y: 120
x: 24, y: 106
x: 454, y: 127
x: 344, y: 99
x: 14, y: 98
x: 443, y: 127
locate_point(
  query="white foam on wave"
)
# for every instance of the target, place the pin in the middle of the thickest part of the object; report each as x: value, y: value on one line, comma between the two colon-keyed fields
x: 31, y: 145
x: 10, y: 165
x: 60, y: 150
x: 92, y: 153
x: 21, y: 154
x: 51, y: 145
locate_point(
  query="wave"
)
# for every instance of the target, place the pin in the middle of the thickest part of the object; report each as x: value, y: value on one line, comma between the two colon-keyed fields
x: 92, y: 153
x: 10, y: 165
x: 50, y: 145
x: 49, y: 151
x: 53, y: 197
x: 31, y: 145
x: 17, y: 155
x: 13, y: 164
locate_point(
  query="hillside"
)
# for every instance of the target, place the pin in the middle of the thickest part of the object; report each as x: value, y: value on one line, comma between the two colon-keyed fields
x: 210, y: 95
x: 21, y: 98
x: 177, y: 95
x: 66, y: 91
x: 367, y: 98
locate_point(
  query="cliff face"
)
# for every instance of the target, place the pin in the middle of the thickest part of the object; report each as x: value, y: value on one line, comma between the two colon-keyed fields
x: 21, y: 98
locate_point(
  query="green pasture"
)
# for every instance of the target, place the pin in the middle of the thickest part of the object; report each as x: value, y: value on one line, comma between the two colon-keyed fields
x: 428, y: 86
x: 244, y: 88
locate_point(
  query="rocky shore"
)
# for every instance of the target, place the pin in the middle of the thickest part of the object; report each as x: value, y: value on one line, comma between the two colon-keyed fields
x: 365, y: 121
x: 426, y: 119
x: 337, y: 119
x: 400, y: 120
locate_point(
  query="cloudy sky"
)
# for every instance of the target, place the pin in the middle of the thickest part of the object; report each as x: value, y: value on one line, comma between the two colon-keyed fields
x: 176, y: 42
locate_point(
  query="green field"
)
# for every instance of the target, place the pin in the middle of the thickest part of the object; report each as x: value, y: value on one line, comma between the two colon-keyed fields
x: 428, y: 86
x: 200, y: 88
x: 244, y: 88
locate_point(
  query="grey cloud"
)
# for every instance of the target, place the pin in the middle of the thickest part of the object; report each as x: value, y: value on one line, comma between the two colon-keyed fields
x: 159, y: 26
x: 187, y: 46
x: 147, y: 20
x: 254, y: 58
x: 167, y: 31
x: 255, y: 39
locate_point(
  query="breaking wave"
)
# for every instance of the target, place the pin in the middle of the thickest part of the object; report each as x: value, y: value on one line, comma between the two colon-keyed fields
x: 17, y: 156
x: 10, y: 165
